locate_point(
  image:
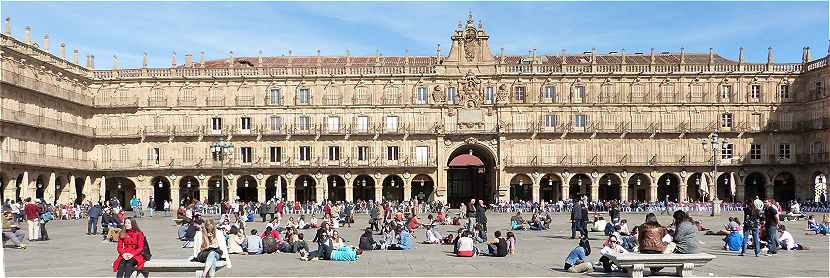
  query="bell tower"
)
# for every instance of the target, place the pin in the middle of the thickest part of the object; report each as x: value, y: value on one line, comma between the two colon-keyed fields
x: 469, y: 44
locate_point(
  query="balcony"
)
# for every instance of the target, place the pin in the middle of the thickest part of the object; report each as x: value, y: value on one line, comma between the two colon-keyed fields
x: 484, y: 128
x: 39, y: 121
x: 336, y: 130
x: 274, y: 130
x: 244, y: 101
x: 75, y: 94
x: 332, y: 100
x: 397, y: 129
x: 43, y: 160
x: 117, y: 132
x: 391, y: 100
x: 305, y: 130
x: 186, y: 101
x: 270, y: 101
x: 157, y: 131
x: 361, y: 130
x: 115, y: 102
x: 187, y: 130
x: 156, y: 102
x: 215, y: 101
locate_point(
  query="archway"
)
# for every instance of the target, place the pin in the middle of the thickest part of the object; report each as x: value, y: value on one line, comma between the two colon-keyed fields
x: 551, y: 188
x: 305, y: 189
x: 693, y: 188
x: 755, y: 185
x: 336, y: 187
x: 61, y: 184
x: 609, y: 187
x: 19, y: 189
x: 121, y: 189
x: 725, y: 185
x: 161, y: 192
x: 3, y: 183
x: 471, y: 175
x: 188, y: 190
x: 246, y: 189
x: 271, y: 185
x: 40, y: 187
x: 638, y: 188
x: 784, y: 188
x: 521, y: 188
x: 422, y: 188
x: 217, y: 190
x: 819, y: 187
x: 392, y: 188
x: 668, y: 188
x: 580, y: 185
x: 363, y: 188
x: 79, y: 190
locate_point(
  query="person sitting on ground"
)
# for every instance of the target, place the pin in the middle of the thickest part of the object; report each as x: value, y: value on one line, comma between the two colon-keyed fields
x: 432, y: 235
x: 516, y: 222
x: 497, y: 246
x: 253, y: 243
x: 734, y: 241
x: 389, y: 235
x: 301, y: 223
x: 730, y: 226
x: 577, y: 259
x: 685, y: 233
x: 404, y: 239
x: 650, y: 236
x: 209, y: 247
x: 269, y: 231
x: 611, y: 247
x: 451, y: 239
x: 235, y: 241
x: 290, y: 223
x: 441, y: 217
x: 535, y: 223
x: 599, y: 224
x: 624, y: 230
x: 367, y: 241
x: 345, y: 253
x: 300, y: 246
x: 478, y: 235
x: 336, y: 240
x: 824, y: 227
x: 12, y: 232
x: 465, y: 245
x: 511, y: 243
x: 786, y: 240
x: 812, y: 224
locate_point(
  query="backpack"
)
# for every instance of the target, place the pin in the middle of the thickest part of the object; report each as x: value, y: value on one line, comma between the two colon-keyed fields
x: 501, y: 248
x: 269, y: 244
x: 146, y: 252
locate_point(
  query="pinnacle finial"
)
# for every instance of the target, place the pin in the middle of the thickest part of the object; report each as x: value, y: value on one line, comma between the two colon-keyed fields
x: 8, y: 30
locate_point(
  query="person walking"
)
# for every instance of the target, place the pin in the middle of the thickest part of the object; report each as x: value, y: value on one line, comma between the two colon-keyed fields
x: 136, y: 205
x: 152, y: 206
x: 166, y: 208
x: 481, y: 216
x: 578, y: 215
x: 771, y: 225
x: 92, y: 225
x: 31, y: 213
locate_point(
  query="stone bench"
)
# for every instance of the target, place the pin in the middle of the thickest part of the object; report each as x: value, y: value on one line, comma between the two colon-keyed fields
x: 683, y: 263
x: 178, y: 265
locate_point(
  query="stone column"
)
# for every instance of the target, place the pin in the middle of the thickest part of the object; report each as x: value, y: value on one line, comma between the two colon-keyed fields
x: 624, y: 187
x: 536, y: 187
x: 682, y: 196
x: 231, y: 182
x: 175, y: 191
x: 740, y: 188
x: 378, y: 190
x: 290, y: 188
x: 260, y: 190
x: 407, y: 189
x: 566, y: 186
x: 595, y: 187
x: 322, y: 187
x: 652, y: 192
x: 349, y: 190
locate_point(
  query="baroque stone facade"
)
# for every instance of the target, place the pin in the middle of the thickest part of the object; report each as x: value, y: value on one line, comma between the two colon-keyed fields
x: 467, y: 125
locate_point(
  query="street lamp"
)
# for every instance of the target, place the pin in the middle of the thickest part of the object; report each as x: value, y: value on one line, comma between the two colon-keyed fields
x: 715, y: 144
x: 220, y: 150
x: 161, y: 185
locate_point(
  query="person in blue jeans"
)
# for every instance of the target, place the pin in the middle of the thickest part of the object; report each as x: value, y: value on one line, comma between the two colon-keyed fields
x: 92, y: 226
x: 771, y: 225
x: 751, y: 220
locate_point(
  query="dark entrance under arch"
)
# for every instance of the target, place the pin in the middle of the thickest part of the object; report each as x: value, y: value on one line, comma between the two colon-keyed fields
x: 422, y: 188
x: 79, y: 190
x: 668, y: 188
x: 161, y: 192
x: 188, y: 190
x: 755, y: 186
x: 305, y: 189
x: 470, y: 175
x: 271, y: 185
x: 784, y: 188
x: 246, y: 189
x: 609, y: 187
x: 40, y: 187
x: 336, y: 187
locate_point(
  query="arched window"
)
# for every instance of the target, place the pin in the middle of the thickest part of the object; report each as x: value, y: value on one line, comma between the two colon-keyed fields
x: 186, y: 97
x: 667, y: 94
x: 216, y: 96
x: 245, y: 96
x: 331, y: 95
x: 391, y: 95
x: 609, y: 93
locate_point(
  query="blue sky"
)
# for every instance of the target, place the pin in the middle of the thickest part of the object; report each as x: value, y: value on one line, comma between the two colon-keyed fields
x: 128, y: 29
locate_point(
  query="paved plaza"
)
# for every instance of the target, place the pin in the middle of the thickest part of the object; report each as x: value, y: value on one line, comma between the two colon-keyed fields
x: 540, y: 253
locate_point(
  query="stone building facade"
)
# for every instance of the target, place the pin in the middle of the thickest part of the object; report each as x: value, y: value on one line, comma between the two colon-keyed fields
x: 468, y: 124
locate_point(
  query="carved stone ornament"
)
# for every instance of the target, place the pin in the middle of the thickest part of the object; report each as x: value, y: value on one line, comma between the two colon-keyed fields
x: 319, y: 175
x: 259, y: 176
x: 171, y: 177
x: 683, y: 174
x: 377, y: 176
x: 289, y: 175
x: 447, y: 142
x: 494, y: 142
x: 471, y: 141
x: 406, y: 175
x: 471, y: 42
x: 201, y: 177
x: 624, y: 174
x: 140, y: 178
x: 503, y: 93
x: 438, y: 94
x: 348, y: 175
x: 231, y: 177
x: 595, y: 174
x: 471, y: 90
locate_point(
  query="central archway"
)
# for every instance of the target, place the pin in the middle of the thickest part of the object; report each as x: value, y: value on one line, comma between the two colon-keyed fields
x: 471, y: 175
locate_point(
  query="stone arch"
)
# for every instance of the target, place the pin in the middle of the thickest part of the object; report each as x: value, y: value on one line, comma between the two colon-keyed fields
x: 668, y: 187
x: 471, y: 173
x: 639, y: 187
x: 276, y: 186
x: 121, y: 189
x: 189, y: 190
x: 694, y: 188
x: 610, y: 187
x: 580, y: 185
x: 161, y: 192
x: 246, y: 188
x: 521, y: 188
x: 392, y: 188
x: 40, y: 187
x: 305, y: 188
x: 218, y: 189
x: 363, y: 188
x: 755, y: 185
x: 335, y: 188
x: 784, y: 187
x: 423, y: 188
x: 724, y: 186
x: 550, y: 188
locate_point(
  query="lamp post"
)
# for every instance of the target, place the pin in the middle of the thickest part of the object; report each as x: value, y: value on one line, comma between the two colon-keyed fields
x: 715, y: 144
x: 220, y: 150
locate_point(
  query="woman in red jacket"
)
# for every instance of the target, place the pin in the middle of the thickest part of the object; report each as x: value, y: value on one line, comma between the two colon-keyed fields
x: 130, y: 247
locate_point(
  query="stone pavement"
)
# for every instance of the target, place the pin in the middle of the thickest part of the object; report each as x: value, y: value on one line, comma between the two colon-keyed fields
x: 540, y: 253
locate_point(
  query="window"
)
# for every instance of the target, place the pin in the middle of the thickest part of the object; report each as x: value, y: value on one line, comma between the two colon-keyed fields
x: 303, y: 123
x: 637, y: 93
x: 304, y: 96
x: 245, y: 123
x: 608, y: 93
x: 216, y: 124
x: 450, y: 95
x: 580, y: 120
x: 333, y: 124
x: 549, y: 94
x: 305, y: 153
x: 667, y: 93
x: 187, y: 154
x: 362, y: 153
x: 392, y: 153
x: 755, y: 151
x: 819, y: 90
x: 245, y: 153
x: 727, y: 151
x: 697, y: 93
x: 421, y: 95
x: 784, y: 91
x: 363, y: 124
x: 334, y: 153
x: 725, y: 93
x: 392, y: 123
x: 274, y: 97
x: 422, y: 154
x: 520, y: 94
x: 726, y: 120
x: 784, y: 151
x: 276, y: 123
x: 156, y: 155
x: 550, y: 120
x: 275, y: 154
x: 362, y: 95
x: 755, y: 93
x: 489, y: 95
x: 579, y: 94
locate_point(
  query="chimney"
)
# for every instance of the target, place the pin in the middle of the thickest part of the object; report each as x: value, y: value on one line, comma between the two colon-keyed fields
x: 289, y: 57
x: 114, y: 62
x: 76, y: 57
x: 188, y: 60
x: 711, y: 56
x: 230, y: 59
x: 406, y: 56
x: 202, y: 59
x: 319, y: 60
x: 46, y: 42
x: 740, y: 55
x: 593, y: 55
x: 27, y: 34
x: 348, y: 57
x: 62, y: 51
x: 144, y: 61
x: 501, y: 55
x: 8, y: 31
x: 438, y: 51
x: 769, y: 55
x: 173, y: 60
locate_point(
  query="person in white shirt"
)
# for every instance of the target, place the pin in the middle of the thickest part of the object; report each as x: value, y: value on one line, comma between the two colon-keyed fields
x: 786, y: 240
x: 612, y: 247
x: 466, y: 245
x: 209, y: 246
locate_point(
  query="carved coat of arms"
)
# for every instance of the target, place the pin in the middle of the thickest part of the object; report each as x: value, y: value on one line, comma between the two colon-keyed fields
x: 471, y: 87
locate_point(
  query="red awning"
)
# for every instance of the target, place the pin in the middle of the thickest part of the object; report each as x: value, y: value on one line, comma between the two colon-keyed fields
x: 466, y: 160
